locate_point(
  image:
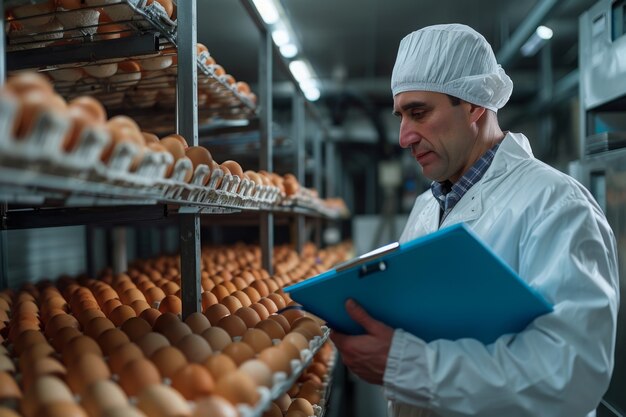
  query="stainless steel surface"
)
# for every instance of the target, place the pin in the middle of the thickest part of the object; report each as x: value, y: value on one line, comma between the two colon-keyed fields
x: 120, y: 259
x: 187, y: 126
x: 601, y: 58
x: 605, y: 176
x: 190, y: 265
x: 266, y: 162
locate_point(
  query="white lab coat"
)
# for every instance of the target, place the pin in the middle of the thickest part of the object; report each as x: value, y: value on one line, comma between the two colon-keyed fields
x: 548, y: 228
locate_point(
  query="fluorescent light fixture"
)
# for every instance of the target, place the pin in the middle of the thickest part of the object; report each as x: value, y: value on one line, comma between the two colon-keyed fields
x: 268, y: 11
x: 310, y: 89
x: 281, y: 37
x: 300, y: 70
x: 536, y: 41
x: 289, y: 50
x: 544, y: 32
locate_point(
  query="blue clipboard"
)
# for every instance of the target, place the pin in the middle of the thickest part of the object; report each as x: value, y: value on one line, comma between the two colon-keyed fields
x: 445, y: 285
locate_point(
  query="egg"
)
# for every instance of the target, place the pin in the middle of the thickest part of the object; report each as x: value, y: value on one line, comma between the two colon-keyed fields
x: 87, y: 315
x: 234, y: 325
x: 164, y: 321
x: 58, y: 322
x: 122, y: 355
x: 175, y: 332
x: 63, y: 336
x: 168, y: 360
x: 85, y: 370
x: 121, y: 313
x: 60, y: 409
x: 261, y: 288
x: 110, y: 339
x: 260, y: 310
x: 239, y: 352
x: 122, y: 410
x: 216, y: 312
x: 214, y: 406
x: 278, y: 300
x: 233, y: 167
x: 237, y: 387
x: 273, y: 329
x: 46, y: 389
x: 137, y: 375
x: 111, y: 304
x: 296, y: 339
x: 171, y: 304
x: 151, y: 342
x: 197, y: 322
x: 309, y: 392
x: 217, y: 338
x: 199, y: 156
x: 162, y: 401
x: 79, y: 346
x: 296, y: 413
x: 276, y: 359
x: 26, y: 340
x: 219, y: 365
x: 258, y: 370
x: 193, y: 381
x: 257, y: 339
x: 102, y: 395
x: 8, y: 387
x: 7, y: 412
x: 23, y: 82
x: 273, y: 411
x: 150, y: 315
x: 220, y: 291
x: 280, y: 319
x: 92, y: 106
x: 283, y: 402
x: 231, y: 303
x: 96, y: 326
x: 136, y: 328
x: 168, y: 6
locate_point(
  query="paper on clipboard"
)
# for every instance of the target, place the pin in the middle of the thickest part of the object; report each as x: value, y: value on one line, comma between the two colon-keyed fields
x: 415, y: 286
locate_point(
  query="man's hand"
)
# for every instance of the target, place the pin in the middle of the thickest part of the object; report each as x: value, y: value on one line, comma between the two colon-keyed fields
x: 365, y: 355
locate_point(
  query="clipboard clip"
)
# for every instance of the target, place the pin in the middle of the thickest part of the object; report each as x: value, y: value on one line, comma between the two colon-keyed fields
x: 369, y: 256
x: 371, y: 268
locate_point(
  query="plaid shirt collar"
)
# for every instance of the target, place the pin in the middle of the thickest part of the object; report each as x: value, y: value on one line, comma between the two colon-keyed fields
x: 448, y: 194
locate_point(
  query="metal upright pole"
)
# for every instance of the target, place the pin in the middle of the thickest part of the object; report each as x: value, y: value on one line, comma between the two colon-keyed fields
x: 4, y: 246
x: 299, y: 138
x: 266, y: 163
x: 317, y: 181
x: 187, y: 124
x: 120, y: 259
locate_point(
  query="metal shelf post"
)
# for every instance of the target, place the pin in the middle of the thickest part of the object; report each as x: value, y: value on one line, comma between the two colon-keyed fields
x: 187, y: 126
x: 299, y: 137
x: 265, y: 117
x: 4, y: 248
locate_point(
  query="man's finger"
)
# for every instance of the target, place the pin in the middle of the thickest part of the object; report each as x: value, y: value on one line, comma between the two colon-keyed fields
x: 359, y: 315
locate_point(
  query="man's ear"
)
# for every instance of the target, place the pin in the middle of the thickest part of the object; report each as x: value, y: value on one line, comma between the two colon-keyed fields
x: 475, y: 112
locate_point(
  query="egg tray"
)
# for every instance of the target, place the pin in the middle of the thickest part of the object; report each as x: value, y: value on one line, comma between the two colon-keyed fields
x: 282, y: 382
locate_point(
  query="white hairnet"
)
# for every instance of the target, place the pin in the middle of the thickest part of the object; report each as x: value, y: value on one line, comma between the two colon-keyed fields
x: 451, y: 59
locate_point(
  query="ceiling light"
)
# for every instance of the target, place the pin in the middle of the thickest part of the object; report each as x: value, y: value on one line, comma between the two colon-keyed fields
x: 536, y: 41
x: 299, y: 70
x: 281, y: 37
x: 310, y: 89
x: 289, y: 50
x: 544, y: 32
x: 268, y: 11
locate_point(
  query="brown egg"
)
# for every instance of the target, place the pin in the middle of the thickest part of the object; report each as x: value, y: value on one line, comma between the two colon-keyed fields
x: 216, y: 312
x: 296, y: 413
x: 193, y: 381
x: 46, y: 389
x: 154, y: 295
x: 8, y: 388
x: 102, y: 395
x: 252, y: 294
x: 280, y: 319
x: 7, y: 412
x: 27, y: 81
x: 165, y: 321
x: 59, y: 321
x: 273, y: 411
x: 91, y: 105
x: 162, y: 401
x: 151, y: 342
x: 197, y: 322
x: 136, y: 328
x: 318, y: 369
x: 96, y: 326
x: 214, y: 406
x: 237, y: 388
x: 208, y: 299
x: 175, y: 332
x: 137, y: 375
x: 234, y: 325
x: 242, y: 297
x: 195, y: 348
x: 122, y: 355
x: 168, y: 361
x: 278, y: 300
x: 150, y: 315
x: 60, y: 409
x: 309, y: 393
x: 276, y: 359
x: 296, y: 339
x: 121, y: 313
x: 273, y: 329
x: 258, y: 371
x: 139, y: 306
x: 290, y: 350
x: 85, y: 370
x: 170, y: 288
x: 232, y: 303
x: 63, y: 336
x: 87, y: 315
x: 110, y: 339
x: 273, y: 286
x: 261, y: 310
x: 239, y: 352
x: 257, y: 339
x: 220, y: 291
x: 219, y: 365
x: 123, y: 410
x: 300, y: 404
x: 233, y: 167
x: 199, y: 156
x: 171, y: 304
x: 79, y: 346
x: 217, y: 338
x: 27, y: 339
x: 6, y: 364
x: 269, y: 305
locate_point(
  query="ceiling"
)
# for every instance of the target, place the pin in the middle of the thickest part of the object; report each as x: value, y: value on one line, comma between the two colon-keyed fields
x: 351, y: 44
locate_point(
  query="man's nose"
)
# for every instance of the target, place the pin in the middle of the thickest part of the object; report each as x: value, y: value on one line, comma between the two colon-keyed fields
x: 407, y: 137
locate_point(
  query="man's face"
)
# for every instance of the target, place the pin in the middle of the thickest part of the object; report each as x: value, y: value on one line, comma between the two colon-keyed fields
x: 438, y: 133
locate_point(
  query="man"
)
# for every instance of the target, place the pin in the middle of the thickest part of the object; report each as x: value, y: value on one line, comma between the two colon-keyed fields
x: 447, y: 89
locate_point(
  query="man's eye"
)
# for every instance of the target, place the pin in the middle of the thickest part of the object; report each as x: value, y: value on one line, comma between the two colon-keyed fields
x: 417, y: 114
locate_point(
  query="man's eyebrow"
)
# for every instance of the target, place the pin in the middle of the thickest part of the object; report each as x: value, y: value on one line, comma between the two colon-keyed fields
x: 409, y: 106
